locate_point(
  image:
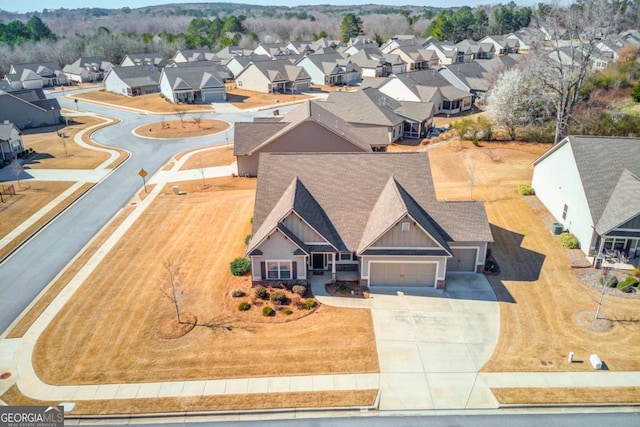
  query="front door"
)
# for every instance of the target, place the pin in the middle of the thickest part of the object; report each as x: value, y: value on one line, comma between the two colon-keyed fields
x: 317, y: 261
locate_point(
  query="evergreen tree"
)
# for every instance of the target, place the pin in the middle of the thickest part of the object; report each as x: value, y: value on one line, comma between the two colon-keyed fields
x: 350, y: 27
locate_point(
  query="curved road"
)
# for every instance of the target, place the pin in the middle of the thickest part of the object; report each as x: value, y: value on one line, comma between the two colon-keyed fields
x: 35, y: 264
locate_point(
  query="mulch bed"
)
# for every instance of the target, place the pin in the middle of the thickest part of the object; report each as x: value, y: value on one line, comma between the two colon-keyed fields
x: 346, y: 290
x: 590, y: 277
x: 587, y: 319
x: 286, y: 312
x: 170, y: 329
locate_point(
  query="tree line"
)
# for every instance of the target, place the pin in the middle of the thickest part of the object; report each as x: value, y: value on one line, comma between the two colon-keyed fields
x: 17, y: 32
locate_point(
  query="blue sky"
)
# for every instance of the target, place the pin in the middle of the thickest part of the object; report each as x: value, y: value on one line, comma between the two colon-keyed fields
x: 38, y: 5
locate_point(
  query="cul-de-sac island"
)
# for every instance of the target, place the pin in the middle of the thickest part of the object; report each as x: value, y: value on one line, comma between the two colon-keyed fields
x: 219, y: 208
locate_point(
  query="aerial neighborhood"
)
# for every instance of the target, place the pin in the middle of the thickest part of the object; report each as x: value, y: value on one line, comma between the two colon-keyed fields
x: 354, y: 208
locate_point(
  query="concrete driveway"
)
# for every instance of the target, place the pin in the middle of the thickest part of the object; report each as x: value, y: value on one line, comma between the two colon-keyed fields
x: 431, y: 344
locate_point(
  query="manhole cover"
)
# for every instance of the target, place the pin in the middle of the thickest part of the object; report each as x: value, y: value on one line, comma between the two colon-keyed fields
x: 5, y: 375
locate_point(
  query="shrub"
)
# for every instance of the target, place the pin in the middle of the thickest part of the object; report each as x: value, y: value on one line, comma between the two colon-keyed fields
x: 267, y: 311
x: 296, y: 300
x: 237, y: 293
x: 626, y: 284
x: 609, y: 280
x: 299, y: 290
x: 278, y: 296
x: 635, y: 93
x: 635, y: 272
x: 287, y: 312
x: 569, y: 241
x: 240, y: 266
x: 247, y: 239
x: 261, y: 292
x: 309, y: 304
x: 343, y: 288
x: 526, y: 190
x: 537, y: 133
x: 244, y: 306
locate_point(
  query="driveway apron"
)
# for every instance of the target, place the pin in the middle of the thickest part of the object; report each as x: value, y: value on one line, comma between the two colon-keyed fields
x: 431, y: 344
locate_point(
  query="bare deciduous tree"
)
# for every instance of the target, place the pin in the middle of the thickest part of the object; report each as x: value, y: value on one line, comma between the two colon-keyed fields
x: 173, y: 289
x: 562, y: 56
x: 180, y: 115
x: 16, y: 169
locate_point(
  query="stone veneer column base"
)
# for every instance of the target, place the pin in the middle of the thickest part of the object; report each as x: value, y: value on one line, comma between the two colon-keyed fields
x: 441, y: 284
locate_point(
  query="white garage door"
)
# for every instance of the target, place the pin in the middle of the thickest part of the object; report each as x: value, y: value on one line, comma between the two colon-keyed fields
x: 402, y: 274
x: 463, y: 260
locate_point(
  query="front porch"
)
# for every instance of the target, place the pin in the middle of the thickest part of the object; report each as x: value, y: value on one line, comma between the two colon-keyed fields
x: 327, y: 267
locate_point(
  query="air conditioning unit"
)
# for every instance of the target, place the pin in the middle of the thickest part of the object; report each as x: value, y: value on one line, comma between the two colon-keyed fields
x: 557, y: 228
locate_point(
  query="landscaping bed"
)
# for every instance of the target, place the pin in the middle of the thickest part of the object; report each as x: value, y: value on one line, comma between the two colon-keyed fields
x: 184, y: 128
x: 346, y: 290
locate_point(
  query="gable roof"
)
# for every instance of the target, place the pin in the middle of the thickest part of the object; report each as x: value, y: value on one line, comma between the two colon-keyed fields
x: 251, y: 136
x: 328, y: 63
x: 608, y: 167
x: 42, y: 69
x: 426, y: 83
x: 6, y: 129
x: 278, y: 70
x: 142, y: 75
x: 349, y: 204
x: 155, y: 59
x: 89, y: 63
x: 192, y: 77
x: 364, y: 106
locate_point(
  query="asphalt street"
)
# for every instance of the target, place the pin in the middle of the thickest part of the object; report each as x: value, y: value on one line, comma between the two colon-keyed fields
x: 36, y: 263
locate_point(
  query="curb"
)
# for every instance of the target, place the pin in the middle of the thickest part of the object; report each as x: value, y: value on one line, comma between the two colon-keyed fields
x: 136, y: 110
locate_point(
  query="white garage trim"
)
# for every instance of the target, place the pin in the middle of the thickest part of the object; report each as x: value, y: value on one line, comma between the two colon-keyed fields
x: 388, y: 261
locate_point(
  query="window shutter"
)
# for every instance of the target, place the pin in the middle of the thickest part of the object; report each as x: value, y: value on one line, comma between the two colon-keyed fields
x: 294, y: 270
x: 263, y: 270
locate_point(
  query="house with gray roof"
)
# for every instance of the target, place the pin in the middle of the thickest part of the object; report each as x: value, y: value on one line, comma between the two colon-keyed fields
x: 370, y: 110
x: 591, y: 185
x: 428, y: 86
x: 364, y: 216
x: 279, y: 75
x: 28, y: 108
x: 470, y: 50
x: 273, y: 50
x: 200, y: 84
x: 416, y: 57
x: 87, y: 69
x: 503, y: 45
x: 373, y: 63
x: 35, y: 75
x: 233, y: 51
x: 193, y: 55
x: 330, y: 69
x: 308, y: 128
x: 133, y: 81
x: 137, y: 59
x: 10, y: 141
x: 238, y: 63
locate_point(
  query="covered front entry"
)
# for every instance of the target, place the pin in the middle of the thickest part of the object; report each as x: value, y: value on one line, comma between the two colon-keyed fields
x: 464, y: 259
x: 318, y: 261
x: 402, y: 273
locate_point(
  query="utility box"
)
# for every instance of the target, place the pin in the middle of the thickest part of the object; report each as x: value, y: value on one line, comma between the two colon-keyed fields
x: 557, y: 228
x: 595, y: 361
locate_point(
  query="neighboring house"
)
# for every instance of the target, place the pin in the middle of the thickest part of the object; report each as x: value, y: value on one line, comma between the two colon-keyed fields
x: 233, y: 51
x: 133, y: 80
x: 428, y: 86
x: 401, y: 40
x: 382, y: 117
x: 356, y: 44
x: 272, y: 50
x: 153, y: 59
x: 237, y: 63
x: 502, y: 45
x: 274, y: 76
x: 35, y: 75
x: 469, y: 50
x: 10, y: 141
x: 591, y: 185
x: 447, y: 53
x: 87, y: 69
x: 526, y: 38
x: 308, y: 128
x: 374, y: 63
x: 28, y: 108
x: 373, y: 217
x: 631, y: 37
x: 215, y: 67
x: 416, y: 57
x: 330, y: 69
x: 193, y: 55
x: 200, y: 84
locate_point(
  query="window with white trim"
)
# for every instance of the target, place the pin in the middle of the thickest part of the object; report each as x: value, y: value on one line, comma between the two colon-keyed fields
x: 278, y: 269
x: 405, y: 226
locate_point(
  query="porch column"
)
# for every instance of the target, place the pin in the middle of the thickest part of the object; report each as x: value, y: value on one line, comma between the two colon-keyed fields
x: 333, y: 266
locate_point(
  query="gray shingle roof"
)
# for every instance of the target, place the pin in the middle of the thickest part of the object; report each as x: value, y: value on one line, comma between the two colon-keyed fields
x: 87, y: 63
x: 43, y: 69
x: 281, y: 70
x: 193, y: 77
x: 348, y: 186
x: 621, y: 206
x: 142, y: 75
x: 601, y: 162
x: 250, y: 136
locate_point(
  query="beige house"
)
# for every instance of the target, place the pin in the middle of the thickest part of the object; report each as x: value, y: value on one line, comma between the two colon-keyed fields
x: 10, y: 141
x: 309, y: 128
x: 273, y: 76
x: 368, y: 217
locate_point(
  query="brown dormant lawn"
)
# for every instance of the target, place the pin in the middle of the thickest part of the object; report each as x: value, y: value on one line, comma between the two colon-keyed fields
x: 152, y: 102
x: 216, y: 156
x: 538, y: 329
x: 202, y: 231
x: 248, y: 99
x: 185, y: 128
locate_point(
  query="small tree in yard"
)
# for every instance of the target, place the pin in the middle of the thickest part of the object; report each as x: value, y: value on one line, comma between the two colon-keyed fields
x: 180, y: 115
x: 512, y: 102
x: 635, y: 93
x: 173, y: 291
x: 16, y: 169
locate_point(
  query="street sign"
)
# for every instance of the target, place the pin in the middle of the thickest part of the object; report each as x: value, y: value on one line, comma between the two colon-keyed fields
x: 143, y: 173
